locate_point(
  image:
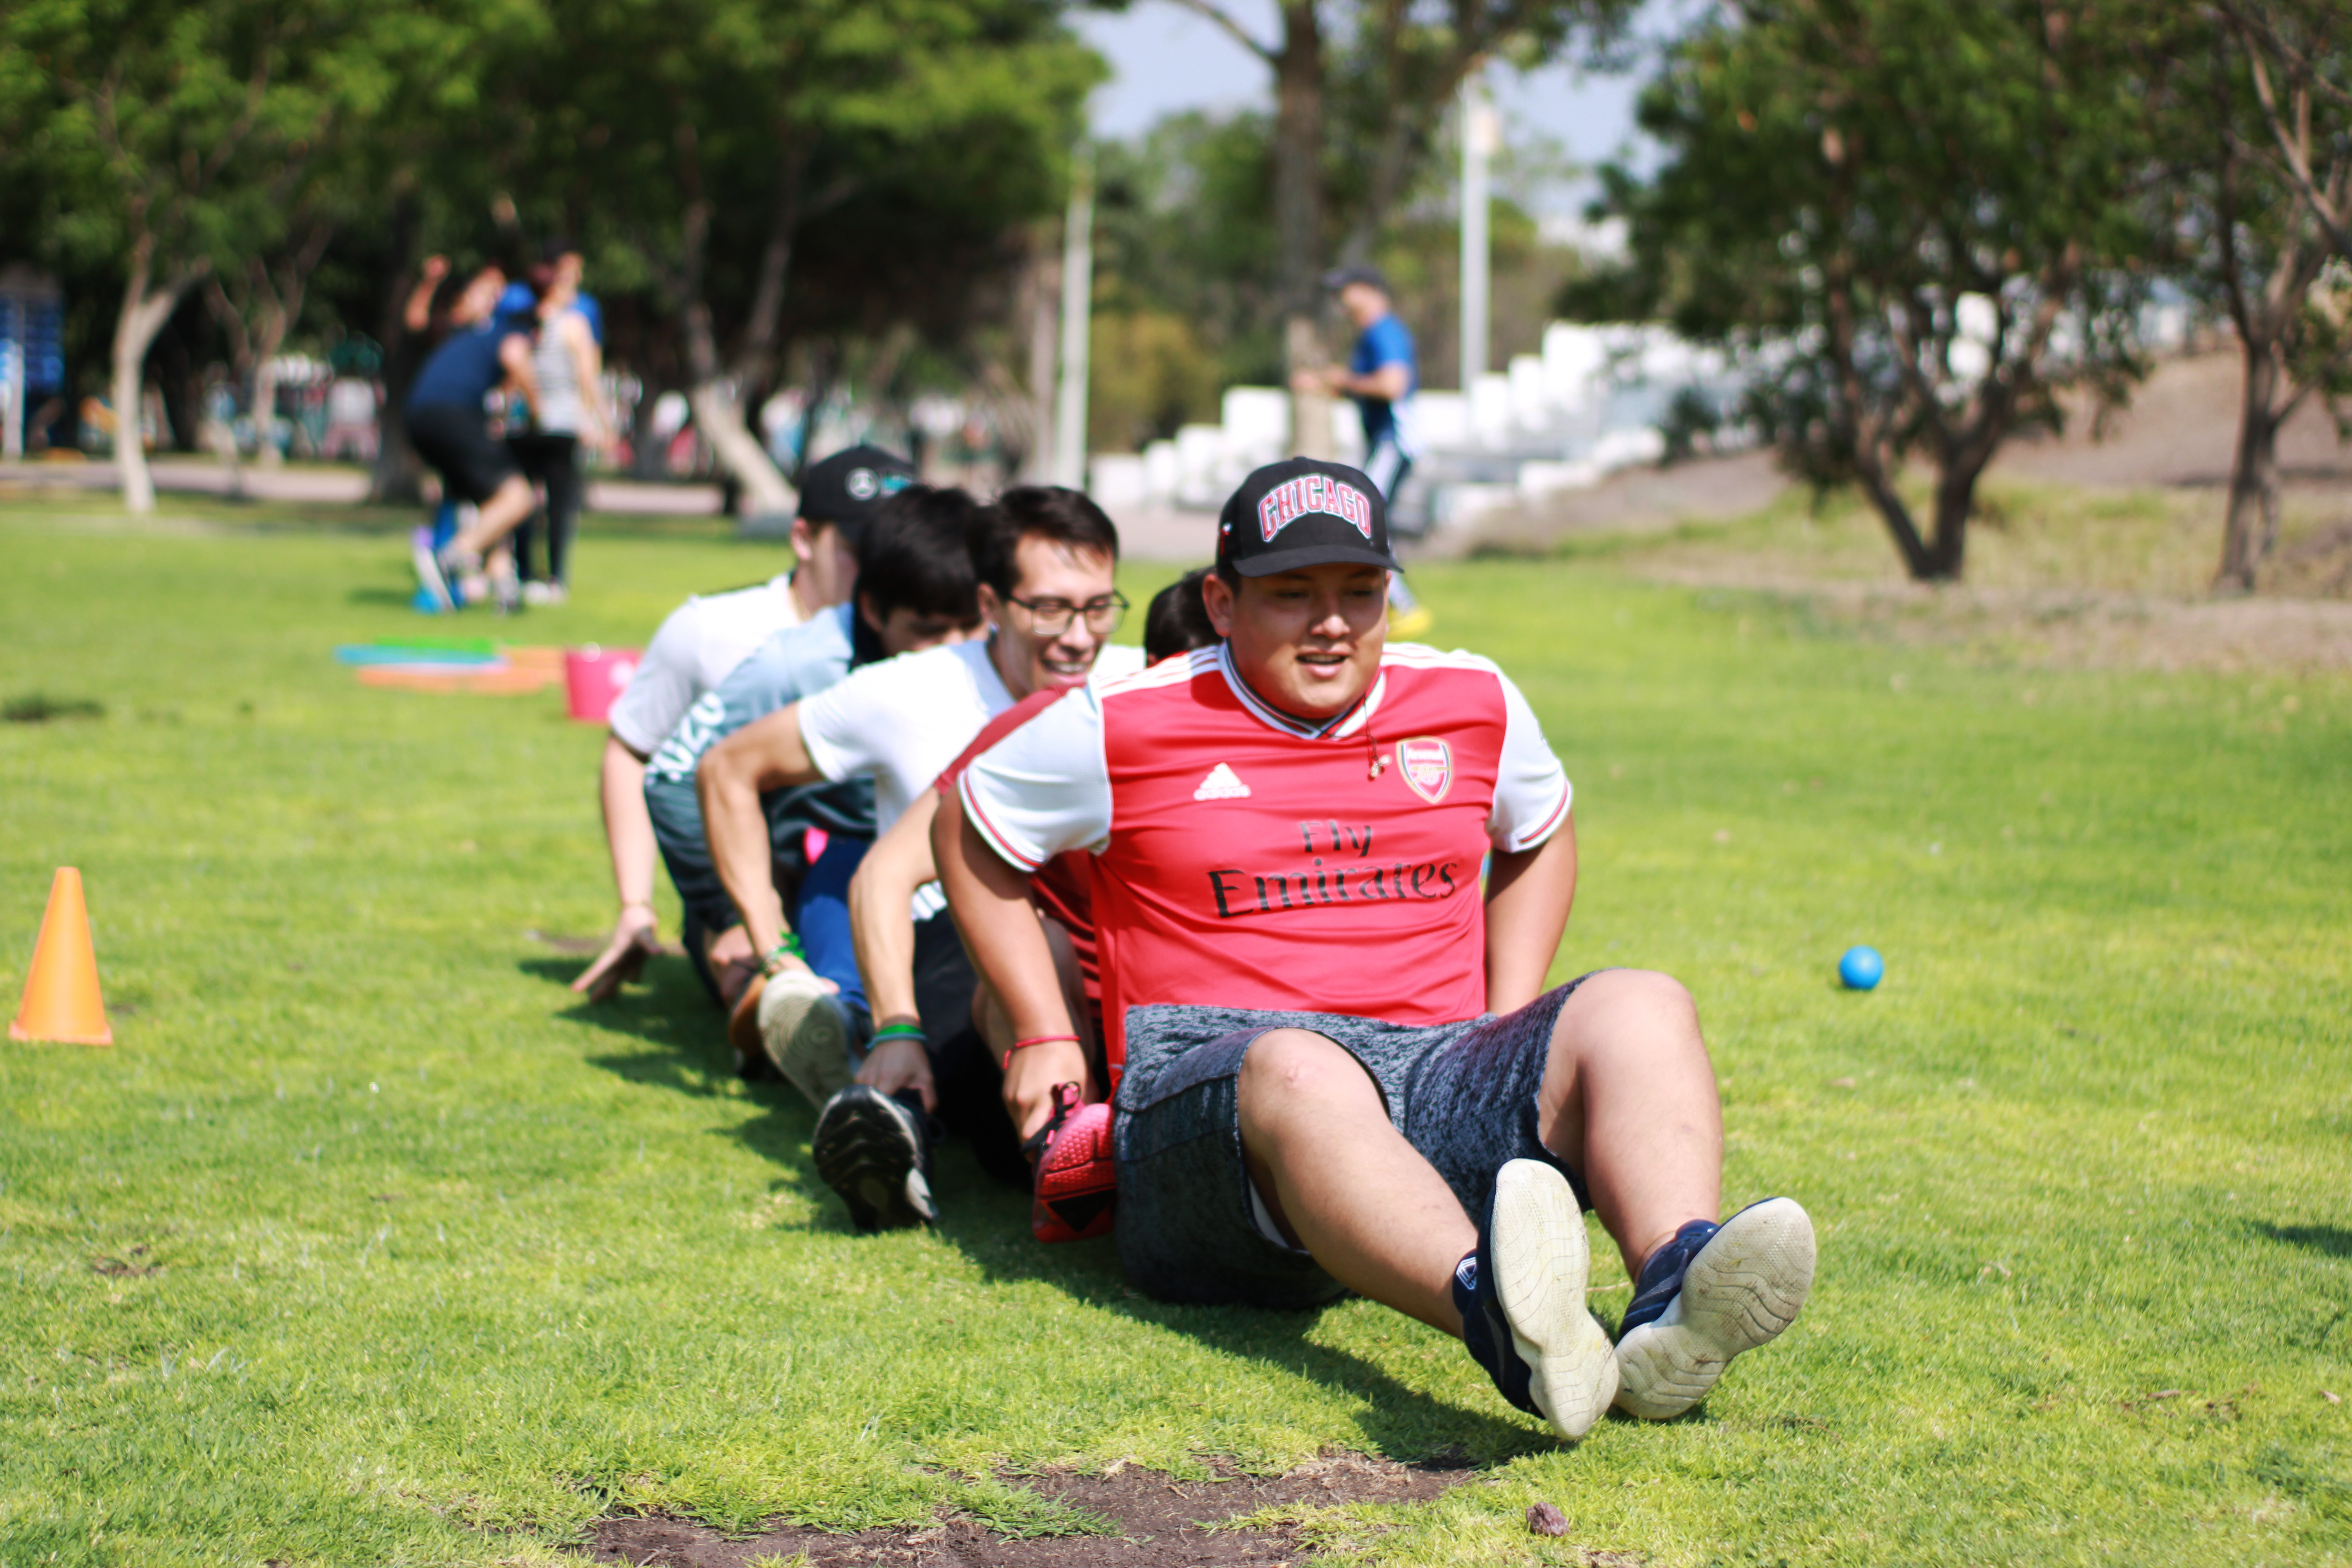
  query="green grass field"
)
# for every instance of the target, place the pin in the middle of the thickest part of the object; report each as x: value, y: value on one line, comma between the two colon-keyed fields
x: 367, y: 1243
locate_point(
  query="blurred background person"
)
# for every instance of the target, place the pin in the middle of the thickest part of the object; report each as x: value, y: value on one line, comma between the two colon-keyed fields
x: 571, y: 410
x: 1383, y: 374
x: 449, y: 423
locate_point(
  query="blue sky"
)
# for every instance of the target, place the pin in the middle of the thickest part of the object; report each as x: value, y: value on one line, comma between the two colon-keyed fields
x: 1166, y: 58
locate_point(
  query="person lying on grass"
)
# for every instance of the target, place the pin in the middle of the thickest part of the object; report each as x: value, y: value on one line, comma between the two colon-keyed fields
x: 915, y: 591
x: 1332, y: 1060
x: 697, y: 644
x: 1045, y: 559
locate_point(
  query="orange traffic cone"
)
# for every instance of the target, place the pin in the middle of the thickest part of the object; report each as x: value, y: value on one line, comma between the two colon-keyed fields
x: 61, y: 1000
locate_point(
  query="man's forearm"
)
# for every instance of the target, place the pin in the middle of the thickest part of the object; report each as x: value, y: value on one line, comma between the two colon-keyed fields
x: 1007, y: 939
x: 881, y: 913
x: 628, y: 829
x: 1001, y: 927
x: 737, y: 830
x: 1527, y: 899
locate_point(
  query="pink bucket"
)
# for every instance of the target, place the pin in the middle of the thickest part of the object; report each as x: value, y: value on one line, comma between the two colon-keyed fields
x: 593, y: 678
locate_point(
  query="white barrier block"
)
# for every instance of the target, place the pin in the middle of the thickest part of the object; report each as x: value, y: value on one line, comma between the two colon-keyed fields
x: 1115, y: 480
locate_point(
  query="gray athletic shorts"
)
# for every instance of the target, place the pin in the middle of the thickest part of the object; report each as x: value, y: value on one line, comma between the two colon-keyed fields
x: 1463, y: 1094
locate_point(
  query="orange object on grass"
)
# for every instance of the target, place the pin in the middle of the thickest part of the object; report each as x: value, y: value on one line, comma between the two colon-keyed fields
x: 61, y: 998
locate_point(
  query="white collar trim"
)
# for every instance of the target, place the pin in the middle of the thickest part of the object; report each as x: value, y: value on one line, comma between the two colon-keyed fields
x: 1337, y: 727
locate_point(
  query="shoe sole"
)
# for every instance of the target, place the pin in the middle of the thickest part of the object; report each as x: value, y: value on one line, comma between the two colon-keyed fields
x: 1542, y: 1264
x: 1743, y: 1288
x: 863, y: 1152
x: 805, y: 1034
x: 428, y: 573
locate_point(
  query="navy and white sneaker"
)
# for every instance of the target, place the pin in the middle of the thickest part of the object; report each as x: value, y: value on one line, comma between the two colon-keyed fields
x: 876, y: 1152
x: 1703, y: 1297
x: 1521, y: 1296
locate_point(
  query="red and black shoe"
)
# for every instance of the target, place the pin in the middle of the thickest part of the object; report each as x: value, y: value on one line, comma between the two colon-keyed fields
x: 1077, y: 1181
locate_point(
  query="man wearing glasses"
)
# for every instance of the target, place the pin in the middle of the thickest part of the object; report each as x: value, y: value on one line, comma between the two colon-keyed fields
x: 1045, y: 559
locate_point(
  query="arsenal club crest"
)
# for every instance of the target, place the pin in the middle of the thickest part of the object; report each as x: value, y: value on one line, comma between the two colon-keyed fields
x: 1427, y: 766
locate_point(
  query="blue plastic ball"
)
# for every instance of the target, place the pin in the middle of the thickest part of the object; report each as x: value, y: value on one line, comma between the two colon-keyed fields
x: 1861, y: 968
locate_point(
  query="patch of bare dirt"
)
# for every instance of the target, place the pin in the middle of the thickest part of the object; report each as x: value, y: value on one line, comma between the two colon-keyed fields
x: 1163, y: 1522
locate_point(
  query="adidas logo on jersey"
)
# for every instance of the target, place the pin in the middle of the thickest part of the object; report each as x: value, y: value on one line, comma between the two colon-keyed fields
x: 1223, y: 784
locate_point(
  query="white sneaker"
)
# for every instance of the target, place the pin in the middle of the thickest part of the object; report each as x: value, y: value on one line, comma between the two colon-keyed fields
x: 805, y: 1033
x: 1723, y: 1293
x: 1534, y: 1265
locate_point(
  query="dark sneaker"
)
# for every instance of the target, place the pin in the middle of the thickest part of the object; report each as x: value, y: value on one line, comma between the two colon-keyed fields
x: 1703, y: 1297
x: 1521, y: 1296
x: 876, y: 1152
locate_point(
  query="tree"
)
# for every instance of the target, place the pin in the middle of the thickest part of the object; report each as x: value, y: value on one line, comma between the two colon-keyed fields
x: 2251, y: 102
x: 1394, y: 70
x: 200, y: 131
x: 1917, y: 219
x: 712, y: 144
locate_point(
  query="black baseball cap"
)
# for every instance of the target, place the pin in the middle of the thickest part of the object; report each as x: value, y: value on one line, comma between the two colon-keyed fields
x: 1304, y: 512
x: 845, y: 489
x: 1338, y: 278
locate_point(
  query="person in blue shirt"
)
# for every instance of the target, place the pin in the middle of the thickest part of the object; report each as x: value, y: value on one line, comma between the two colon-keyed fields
x: 450, y: 427
x: 1380, y: 377
x: 916, y: 589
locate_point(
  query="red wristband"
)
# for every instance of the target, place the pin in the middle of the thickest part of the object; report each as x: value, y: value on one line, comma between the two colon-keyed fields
x: 1006, y: 1066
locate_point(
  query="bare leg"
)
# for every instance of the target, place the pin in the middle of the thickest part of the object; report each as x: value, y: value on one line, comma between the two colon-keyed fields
x: 1629, y: 1102
x: 1344, y: 1183
x: 732, y: 962
x: 511, y: 503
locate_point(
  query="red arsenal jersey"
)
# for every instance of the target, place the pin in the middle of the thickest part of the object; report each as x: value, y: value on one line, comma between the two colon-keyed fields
x: 1063, y: 887
x: 1244, y: 858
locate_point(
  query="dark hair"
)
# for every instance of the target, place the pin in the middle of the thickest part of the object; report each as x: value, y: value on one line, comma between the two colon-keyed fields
x: 1178, y: 621
x: 1051, y: 513
x: 914, y: 557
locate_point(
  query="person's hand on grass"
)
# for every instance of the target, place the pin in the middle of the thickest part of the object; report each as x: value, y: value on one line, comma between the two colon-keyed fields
x: 900, y: 1062
x: 635, y: 938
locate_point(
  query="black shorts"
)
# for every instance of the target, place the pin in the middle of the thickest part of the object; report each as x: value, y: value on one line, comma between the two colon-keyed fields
x: 457, y: 441
x: 1463, y: 1095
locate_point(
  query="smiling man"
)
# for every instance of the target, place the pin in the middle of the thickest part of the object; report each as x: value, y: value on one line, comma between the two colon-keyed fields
x: 1312, y: 1090
x: 1045, y: 559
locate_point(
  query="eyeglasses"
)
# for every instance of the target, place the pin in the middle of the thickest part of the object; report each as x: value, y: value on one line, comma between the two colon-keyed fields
x: 1050, y: 617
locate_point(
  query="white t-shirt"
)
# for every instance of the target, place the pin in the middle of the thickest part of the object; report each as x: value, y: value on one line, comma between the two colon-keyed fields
x: 697, y: 646
x: 904, y: 719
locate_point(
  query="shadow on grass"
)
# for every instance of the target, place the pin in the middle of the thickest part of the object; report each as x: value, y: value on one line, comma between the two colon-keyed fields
x: 989, y: 1223
x: 2333, y: 1240
x: 670, y: 1012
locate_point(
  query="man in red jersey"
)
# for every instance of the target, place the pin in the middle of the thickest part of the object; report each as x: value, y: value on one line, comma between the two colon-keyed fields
x: 1334, y: 1063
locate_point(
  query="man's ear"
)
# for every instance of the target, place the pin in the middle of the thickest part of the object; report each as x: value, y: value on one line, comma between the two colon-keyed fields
x: 865, y: 612
x: 1217, y: 597
x: 991, y: 608
x: 804, y: 541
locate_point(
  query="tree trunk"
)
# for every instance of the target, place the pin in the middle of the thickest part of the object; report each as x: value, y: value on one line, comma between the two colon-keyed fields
x: 144, y: 312
x: 1043, y: 291
x: 2253, y: 517
x: 1298, y: 213
x: 1918, y: 560
x: 397, y: 476
x: 272, y: 336
x: 1956, y: 496
x: 718, y: 415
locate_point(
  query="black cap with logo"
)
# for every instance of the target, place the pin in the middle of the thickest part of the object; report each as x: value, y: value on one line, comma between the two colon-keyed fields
x: 1304, y: 512
x: 845, y: 489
